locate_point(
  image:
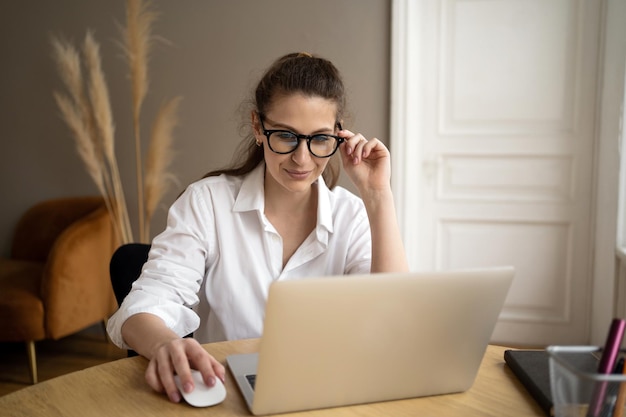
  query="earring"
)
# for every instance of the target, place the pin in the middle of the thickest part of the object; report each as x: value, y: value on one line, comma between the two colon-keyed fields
x: 258, y: 143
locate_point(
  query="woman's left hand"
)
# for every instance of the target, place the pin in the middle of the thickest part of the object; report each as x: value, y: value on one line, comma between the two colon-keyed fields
x: 367, y: 162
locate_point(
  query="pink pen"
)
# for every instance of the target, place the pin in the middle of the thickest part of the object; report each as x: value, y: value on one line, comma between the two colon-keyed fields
x: 607, y: 362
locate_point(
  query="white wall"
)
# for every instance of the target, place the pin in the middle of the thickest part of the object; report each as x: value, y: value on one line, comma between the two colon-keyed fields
x: 216, y: 52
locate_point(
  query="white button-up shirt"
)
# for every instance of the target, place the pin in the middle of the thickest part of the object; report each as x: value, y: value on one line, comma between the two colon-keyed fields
x: 210, y: 270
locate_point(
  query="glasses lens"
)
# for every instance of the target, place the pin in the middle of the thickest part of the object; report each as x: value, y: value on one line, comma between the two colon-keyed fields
x: 283, y: 142
x: 323, y: 145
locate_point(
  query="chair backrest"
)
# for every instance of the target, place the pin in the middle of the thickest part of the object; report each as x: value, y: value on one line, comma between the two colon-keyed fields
x: 125, y: 267
x: 40, y: 226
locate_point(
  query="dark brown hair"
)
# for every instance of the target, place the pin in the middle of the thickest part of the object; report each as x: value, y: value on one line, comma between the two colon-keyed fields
x: 293, y: 73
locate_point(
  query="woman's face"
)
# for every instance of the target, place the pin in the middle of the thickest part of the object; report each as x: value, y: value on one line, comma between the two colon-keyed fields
x: 296, y: 171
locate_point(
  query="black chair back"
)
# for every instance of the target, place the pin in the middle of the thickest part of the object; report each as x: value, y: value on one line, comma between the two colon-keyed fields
x: 125, y: 267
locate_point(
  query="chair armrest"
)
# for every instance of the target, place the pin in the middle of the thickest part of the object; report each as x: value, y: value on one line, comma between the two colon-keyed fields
x: 76, y: 288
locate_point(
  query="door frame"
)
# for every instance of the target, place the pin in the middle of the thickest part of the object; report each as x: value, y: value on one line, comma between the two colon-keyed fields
x: 609, y: 134
x: 609, y: 138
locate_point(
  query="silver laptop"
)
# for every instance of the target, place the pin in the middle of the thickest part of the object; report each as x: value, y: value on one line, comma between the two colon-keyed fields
x: 357, y: 339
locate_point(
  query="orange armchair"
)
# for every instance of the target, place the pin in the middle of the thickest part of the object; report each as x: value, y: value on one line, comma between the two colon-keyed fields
x: 56, y: 281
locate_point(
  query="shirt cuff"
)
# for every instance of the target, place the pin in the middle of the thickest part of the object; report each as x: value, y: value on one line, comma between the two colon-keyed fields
x: 178, y: 318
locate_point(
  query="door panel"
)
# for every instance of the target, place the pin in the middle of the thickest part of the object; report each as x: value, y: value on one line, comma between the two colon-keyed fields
x: 493, y: 143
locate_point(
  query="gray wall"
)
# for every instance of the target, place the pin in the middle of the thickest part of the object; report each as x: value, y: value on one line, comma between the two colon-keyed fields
x: 216, y: 51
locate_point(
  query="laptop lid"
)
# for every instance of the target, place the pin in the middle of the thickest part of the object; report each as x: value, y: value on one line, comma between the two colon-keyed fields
x: 356, y: 339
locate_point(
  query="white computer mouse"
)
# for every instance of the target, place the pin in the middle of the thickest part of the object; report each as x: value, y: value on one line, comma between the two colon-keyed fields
x: 202, y: 395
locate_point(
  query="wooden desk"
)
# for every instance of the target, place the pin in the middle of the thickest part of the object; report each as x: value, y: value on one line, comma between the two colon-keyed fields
x: 118, y: 389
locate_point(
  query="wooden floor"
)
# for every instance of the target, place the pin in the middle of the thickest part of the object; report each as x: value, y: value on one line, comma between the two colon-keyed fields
x: 55, y: 358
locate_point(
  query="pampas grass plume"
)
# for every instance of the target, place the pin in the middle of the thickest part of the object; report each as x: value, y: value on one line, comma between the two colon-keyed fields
x: 86, y: 109
x: 160, y: 156
x: 138, y: 36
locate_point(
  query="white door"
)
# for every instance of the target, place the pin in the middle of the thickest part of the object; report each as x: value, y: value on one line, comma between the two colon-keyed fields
x: 493, y: 148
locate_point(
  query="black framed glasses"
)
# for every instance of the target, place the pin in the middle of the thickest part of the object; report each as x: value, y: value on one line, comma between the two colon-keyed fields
x: 321, y: 145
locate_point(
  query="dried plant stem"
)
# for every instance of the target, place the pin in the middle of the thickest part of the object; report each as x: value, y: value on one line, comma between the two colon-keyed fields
x: 159, y: 157
x: 138, y: 38
x: 139, y: 174
x: 77, y: 112
x: 86, y: 109
x: 101, y: 106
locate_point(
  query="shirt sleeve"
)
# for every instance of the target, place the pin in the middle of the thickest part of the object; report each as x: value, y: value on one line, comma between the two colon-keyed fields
x: 171, y: 278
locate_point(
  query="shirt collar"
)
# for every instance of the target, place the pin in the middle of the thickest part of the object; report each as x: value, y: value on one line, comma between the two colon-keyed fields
x: 324, y: 207
x: 251, y: 197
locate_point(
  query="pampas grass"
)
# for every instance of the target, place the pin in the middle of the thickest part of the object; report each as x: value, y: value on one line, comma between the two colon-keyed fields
x: 105, y: 131
x: 160, y: 156
x: 75, y: 109
x: 86, y: 109
x: 138, y: 35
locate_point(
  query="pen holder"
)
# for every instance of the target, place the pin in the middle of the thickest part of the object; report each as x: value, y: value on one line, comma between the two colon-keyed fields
x: 578, y: 390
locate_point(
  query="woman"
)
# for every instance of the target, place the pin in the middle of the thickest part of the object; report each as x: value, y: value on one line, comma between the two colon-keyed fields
x: 270, y: 217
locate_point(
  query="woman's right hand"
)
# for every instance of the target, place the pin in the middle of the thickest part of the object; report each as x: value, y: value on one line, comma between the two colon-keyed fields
x: 177, y: 357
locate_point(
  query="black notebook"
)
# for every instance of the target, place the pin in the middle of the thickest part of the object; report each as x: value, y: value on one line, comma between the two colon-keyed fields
x: 532, y: 368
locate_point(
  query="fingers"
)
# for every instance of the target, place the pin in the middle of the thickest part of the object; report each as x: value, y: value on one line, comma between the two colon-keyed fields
x: 167, y: 361
x: 152, y: 377
x: 208, y: 366
x: 178, y: 357
x: 356, y: 147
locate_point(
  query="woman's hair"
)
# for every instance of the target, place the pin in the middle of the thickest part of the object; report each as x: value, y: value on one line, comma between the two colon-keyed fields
x: 293, y: 73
